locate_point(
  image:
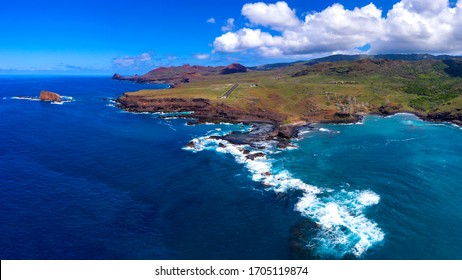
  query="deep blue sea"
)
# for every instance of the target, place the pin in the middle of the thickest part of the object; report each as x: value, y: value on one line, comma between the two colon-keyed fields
x: 85, y: 180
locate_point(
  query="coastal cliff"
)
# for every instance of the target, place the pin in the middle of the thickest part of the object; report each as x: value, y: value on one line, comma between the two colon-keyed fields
x: 298, y: 94
x: 205, y: 110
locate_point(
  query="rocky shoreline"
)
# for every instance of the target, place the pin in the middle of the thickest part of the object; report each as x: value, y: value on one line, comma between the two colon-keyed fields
x: 267, y: 125
x: 454, y: 116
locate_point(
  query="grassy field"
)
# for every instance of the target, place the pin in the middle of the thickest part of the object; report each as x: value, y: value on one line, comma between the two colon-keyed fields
x: 332, y: 91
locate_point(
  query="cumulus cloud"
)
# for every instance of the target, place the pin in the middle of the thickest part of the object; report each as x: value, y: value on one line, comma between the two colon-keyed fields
x: 423, y: 25
x: 132, y: 61
x: 229, y: 25
x: 278, y: 16
x: 202, y: 56
x: 245, y: 38
x: 410, y: 26
x: 211, y: 20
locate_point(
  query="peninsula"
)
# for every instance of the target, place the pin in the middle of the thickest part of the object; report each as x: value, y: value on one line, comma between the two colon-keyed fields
x: 338, y: 89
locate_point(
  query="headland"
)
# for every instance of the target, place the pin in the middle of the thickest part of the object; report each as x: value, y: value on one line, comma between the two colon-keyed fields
x: 292, y: 95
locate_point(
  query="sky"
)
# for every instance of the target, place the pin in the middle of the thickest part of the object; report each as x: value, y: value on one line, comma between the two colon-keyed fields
x: 133, y: 37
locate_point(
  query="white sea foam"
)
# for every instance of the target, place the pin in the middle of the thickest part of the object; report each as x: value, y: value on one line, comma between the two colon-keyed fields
x: 67, y: 98
x: 403, y: 114
x: 137, y: 113
x: 400, y: 140
x: 408, y: 122
x: 303, y: 132
x: 173, y: 114
x: 328, y: 130
x: 171, y: 118
x: 456, y: 126
x: 64, y: 99
x: 367, y: 198
x: 171, y: 126
x: 26, y: 98
x: 343, y: 227
x: 292, y: 146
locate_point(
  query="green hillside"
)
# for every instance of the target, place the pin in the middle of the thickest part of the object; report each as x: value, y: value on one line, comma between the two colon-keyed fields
x: 336, y: 91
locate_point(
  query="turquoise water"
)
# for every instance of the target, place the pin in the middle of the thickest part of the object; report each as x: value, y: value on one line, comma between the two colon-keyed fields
x: 412, y: 165
x: 85, y: 180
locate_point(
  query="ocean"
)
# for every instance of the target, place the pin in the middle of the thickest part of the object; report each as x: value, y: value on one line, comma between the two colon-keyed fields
x: 86, y: 180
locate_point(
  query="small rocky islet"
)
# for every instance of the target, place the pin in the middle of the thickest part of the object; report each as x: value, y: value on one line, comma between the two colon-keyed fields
x: 49, y: 96
x: 44, y: 96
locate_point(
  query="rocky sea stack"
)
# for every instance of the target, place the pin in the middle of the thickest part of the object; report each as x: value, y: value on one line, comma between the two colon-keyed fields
x: 49, y: 96
x: 117, y: 76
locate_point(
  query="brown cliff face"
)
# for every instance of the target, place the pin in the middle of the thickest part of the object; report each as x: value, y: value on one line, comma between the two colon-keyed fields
x: 49, y: 96
x: 168, y: 105
x: 202, y: 109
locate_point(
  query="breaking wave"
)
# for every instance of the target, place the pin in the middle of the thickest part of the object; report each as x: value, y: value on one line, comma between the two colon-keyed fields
x: 342, y: 227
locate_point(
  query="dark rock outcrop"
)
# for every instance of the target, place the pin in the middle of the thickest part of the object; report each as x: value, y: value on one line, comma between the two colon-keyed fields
x: 49, y: 96
x: 256, y: 155
x: 117, y: 76
x: 191, y: 145
x: 390, y: 108
x: 454, y: 117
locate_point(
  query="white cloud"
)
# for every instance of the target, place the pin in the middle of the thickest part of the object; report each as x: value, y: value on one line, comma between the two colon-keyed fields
x: 132, y: 61
x: 277, y: 16
x: 202, y: 56
x: 245, y: 38
x: 229, y: 25
x: 424, y: 25
x: 211, y: 20
x: 429, y: 7
x: 410, y: 26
